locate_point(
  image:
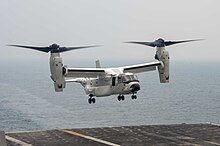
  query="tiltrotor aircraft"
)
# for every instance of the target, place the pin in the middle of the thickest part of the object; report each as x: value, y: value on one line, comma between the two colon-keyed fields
x: 99, y: 82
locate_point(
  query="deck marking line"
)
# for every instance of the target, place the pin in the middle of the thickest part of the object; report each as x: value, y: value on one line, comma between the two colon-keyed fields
x: 17, y: 141
x: 215, y: 143
x: 90, y: 138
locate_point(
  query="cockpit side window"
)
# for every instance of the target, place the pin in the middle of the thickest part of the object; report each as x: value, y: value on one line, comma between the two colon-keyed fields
x: 129, y: 78
x: 119, y: 80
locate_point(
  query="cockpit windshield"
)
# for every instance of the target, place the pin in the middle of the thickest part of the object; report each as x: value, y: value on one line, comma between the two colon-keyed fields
x: 129, y: 78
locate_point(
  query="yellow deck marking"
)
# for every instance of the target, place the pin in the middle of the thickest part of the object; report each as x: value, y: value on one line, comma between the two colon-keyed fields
x: 89, y: 137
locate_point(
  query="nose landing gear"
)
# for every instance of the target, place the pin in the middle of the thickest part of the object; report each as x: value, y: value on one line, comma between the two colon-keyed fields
x: 133, y: 96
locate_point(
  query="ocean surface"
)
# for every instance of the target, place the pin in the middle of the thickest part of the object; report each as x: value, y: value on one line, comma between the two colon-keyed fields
x: 28, y: 101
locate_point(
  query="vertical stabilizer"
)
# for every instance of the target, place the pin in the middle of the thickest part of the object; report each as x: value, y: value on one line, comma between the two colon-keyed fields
x: 97, y: 63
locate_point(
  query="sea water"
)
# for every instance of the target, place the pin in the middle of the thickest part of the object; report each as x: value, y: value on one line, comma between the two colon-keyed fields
x: 28, y: 101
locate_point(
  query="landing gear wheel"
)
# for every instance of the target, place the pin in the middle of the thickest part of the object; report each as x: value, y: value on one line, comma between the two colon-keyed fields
x: 133, y: 96
x: 90, y: 100
x: 119, y: 98
x: 93, y: 100
x: 122, y: 97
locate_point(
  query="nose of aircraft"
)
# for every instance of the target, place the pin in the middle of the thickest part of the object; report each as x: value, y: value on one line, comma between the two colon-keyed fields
x: 135, y: 87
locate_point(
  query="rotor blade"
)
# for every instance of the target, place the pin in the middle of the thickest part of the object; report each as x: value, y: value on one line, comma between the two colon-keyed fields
x: 43, y: 49
x: 168, y: 43
x: 64, y: 49
x: 151, y: 44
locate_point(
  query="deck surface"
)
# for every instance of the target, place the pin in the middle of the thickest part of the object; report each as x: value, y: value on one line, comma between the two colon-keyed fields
x: 179, y: 134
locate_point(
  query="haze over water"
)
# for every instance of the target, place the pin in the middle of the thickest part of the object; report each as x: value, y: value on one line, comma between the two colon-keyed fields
x: 28, y: 101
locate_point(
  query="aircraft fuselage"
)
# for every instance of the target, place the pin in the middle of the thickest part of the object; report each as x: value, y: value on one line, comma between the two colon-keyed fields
x: 118, y: 84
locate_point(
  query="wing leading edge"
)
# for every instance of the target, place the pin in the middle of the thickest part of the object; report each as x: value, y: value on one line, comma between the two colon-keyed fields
x: 142, y: 67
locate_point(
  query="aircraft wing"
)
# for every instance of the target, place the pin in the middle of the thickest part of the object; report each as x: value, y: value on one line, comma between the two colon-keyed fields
x: 84, y: 72
x: 141, y: 67
x: 94, y: 72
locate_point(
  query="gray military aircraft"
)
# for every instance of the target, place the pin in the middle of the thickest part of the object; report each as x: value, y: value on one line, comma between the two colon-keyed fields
x: 99, y: 82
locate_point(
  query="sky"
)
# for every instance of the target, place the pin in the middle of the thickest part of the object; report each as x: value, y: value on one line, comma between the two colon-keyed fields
x: 110, y: 23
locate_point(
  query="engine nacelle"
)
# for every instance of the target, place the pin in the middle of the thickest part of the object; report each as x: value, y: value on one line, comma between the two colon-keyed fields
x: 164, y: 68
x: 56, y: 67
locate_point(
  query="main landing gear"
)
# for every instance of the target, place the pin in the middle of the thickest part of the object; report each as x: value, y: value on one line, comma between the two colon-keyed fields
x: 121, y: 97
x: 91, y: 100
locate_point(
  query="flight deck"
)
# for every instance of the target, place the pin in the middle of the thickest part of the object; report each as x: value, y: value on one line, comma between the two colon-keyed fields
x: 176, y: 134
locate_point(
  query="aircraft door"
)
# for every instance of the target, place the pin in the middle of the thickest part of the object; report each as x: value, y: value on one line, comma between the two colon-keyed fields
x: 114, y: 85
x: 113, y: 81
x: 117, y: 85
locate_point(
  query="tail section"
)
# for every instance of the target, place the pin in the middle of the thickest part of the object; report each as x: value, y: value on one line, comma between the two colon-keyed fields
x: 97, y: 63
